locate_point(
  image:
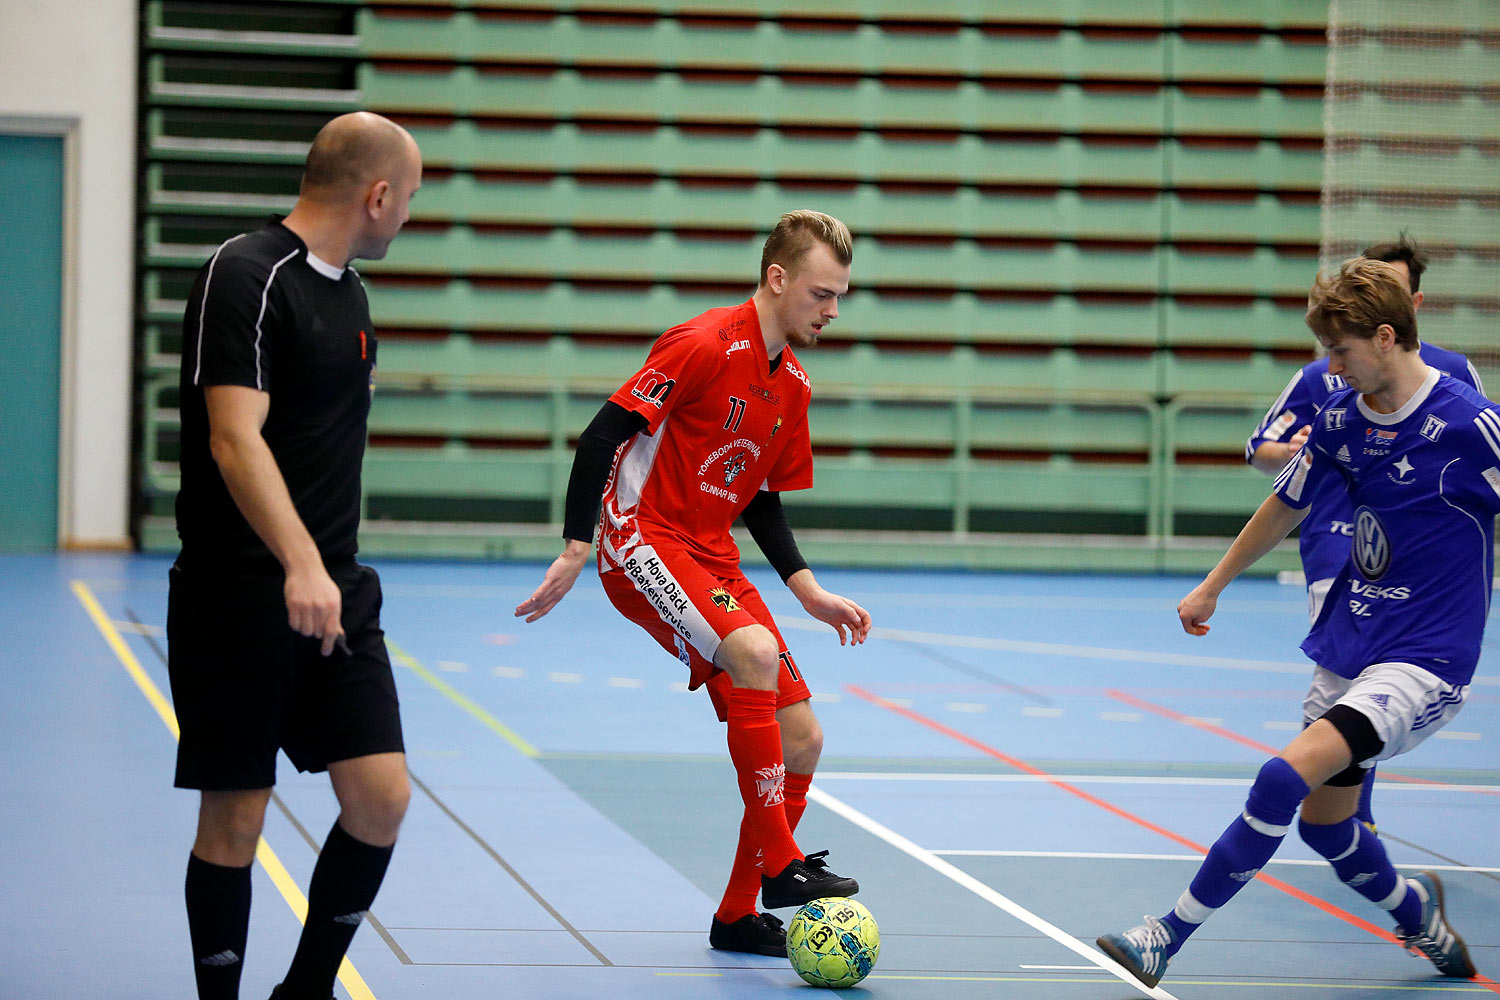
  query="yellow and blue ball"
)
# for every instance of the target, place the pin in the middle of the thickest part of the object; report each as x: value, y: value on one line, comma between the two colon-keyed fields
x: 833, y: 942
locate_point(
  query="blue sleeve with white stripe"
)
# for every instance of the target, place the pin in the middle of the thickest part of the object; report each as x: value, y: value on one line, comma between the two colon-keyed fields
x: 1310, y: 469
x: 1452, y: 363
x: 1295, y: 407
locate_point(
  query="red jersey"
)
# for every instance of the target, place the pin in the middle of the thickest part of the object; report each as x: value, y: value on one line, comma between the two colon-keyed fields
x: 721, y: 424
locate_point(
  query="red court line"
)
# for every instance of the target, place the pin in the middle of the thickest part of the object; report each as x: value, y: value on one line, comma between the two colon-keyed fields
x: 1131, y: 817
x: 1188, y: 720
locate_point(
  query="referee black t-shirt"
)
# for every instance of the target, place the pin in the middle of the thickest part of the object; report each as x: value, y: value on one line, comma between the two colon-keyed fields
x: 264, y: 315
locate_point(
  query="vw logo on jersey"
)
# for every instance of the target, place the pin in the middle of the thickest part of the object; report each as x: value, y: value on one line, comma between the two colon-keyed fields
x: 1372, y: 548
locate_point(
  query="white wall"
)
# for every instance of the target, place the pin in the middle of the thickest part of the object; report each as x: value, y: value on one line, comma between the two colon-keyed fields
x: 70, y: 68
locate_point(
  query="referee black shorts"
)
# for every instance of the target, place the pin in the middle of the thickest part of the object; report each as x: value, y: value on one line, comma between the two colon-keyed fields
x: 244, y: 684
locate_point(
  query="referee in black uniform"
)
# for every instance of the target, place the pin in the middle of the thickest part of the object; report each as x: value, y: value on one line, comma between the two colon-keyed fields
x: 273, y: 629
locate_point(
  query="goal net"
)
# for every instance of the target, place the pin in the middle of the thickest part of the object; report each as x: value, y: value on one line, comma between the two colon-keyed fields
x: 1411, y: 123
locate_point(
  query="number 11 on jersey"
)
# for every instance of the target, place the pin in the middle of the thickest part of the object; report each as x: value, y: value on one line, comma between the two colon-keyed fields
x: 736, y: 414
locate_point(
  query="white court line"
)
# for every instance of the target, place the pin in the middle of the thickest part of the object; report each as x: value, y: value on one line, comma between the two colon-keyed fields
x: 1195, y: 858
x: 987, y: 643
x: 1113, y: 779
x: 981, y: 890
x: 1302, y: 668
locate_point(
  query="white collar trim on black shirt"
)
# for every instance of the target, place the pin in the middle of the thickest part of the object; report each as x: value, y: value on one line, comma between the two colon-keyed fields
x: 1407, y: 408
x: 324, y: 268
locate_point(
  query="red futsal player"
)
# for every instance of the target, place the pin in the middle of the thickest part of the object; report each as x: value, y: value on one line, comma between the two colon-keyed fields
x: 714, y: 427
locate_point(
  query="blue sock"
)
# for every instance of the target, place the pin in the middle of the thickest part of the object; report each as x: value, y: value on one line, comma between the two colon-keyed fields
x: 1363, y: 813
x: 1242, y: 849
x: 1359, y: 858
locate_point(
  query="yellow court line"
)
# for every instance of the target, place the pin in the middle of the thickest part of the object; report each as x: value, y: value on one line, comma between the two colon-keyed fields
x: 122, y: 652
x: 694, y: 975
x: 458, y: 698
x: 348, y: 975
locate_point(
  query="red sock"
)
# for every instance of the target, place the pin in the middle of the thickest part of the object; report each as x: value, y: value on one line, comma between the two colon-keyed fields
x: 744, y: 878
x: 796, y: 798
x: 755, y: 748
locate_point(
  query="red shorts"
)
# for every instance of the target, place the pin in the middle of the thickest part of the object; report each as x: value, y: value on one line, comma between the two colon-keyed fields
x: 690, y: 610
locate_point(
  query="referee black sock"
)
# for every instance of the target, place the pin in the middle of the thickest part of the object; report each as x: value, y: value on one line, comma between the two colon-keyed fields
x: 343, y: 887
x: 218, y: 910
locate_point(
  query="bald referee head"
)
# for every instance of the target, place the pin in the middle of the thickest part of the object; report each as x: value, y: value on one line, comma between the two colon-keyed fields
x: 361, y: 173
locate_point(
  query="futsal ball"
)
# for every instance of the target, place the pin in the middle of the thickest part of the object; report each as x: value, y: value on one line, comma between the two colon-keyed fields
x: 833, y: 942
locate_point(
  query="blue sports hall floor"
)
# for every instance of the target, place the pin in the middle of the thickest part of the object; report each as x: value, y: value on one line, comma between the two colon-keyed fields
x: 1014, y: 765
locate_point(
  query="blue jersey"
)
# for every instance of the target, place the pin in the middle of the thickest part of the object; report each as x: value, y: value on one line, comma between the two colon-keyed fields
x: 1424, y: 486
x: 1326, y: 531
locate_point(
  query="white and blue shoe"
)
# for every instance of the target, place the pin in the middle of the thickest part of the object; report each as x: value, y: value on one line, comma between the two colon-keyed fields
x: 1142, y: 950
x: 1434, y: 939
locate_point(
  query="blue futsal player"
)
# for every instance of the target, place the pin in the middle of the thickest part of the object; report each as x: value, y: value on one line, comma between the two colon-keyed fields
x: 1398, y: 636
x: 1329, y: 524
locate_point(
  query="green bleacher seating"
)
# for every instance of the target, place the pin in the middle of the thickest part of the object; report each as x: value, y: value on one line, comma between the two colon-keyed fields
x: 1084, y: 229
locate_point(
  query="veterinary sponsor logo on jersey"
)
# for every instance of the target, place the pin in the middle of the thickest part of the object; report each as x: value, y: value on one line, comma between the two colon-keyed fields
x: 744, y: 444
x: 1372, y: 546
x: 653, y: 387
x: 733, y: 466
x: 724, y: 599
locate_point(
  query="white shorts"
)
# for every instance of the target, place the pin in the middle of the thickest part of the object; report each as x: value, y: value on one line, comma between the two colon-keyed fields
x: 1405, y: 703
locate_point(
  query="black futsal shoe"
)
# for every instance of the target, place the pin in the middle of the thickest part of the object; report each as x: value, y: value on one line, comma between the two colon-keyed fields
x: 756, y: 934
x: 803, y: 881
x: 276, y: 994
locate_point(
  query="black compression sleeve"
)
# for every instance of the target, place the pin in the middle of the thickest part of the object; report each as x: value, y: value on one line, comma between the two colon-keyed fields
x: 612, y: 426
x: 766, y: 519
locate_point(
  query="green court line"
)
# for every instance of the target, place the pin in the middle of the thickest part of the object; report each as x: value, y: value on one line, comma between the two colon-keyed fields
x: 462, y: 700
